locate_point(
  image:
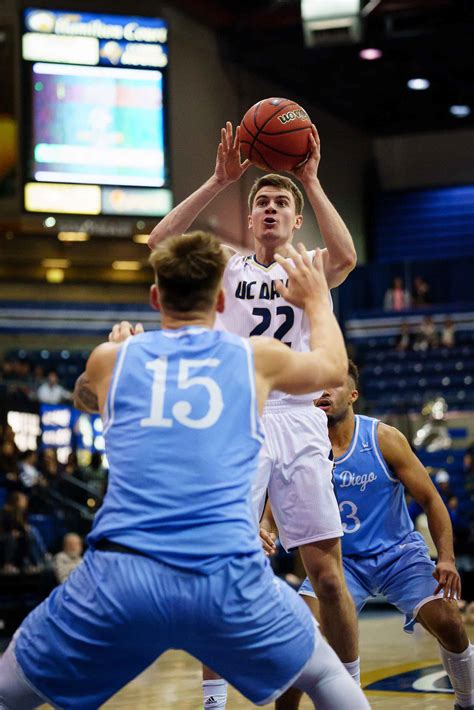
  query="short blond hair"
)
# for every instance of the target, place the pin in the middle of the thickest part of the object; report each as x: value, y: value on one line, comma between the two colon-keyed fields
x: 188, y: 270
x: 275, y: 180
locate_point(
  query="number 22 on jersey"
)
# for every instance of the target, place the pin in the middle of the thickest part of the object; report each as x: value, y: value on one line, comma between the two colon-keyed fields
x: 181, y: 410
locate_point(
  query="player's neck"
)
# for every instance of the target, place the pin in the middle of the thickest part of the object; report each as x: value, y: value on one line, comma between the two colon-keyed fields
x: 171, y: 321
x: 341, y: 433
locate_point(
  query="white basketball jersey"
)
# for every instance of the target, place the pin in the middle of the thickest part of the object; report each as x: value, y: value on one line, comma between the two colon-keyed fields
x: 254, y: 307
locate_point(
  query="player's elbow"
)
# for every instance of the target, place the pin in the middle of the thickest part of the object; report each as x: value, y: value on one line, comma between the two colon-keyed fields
x: 347, y: 263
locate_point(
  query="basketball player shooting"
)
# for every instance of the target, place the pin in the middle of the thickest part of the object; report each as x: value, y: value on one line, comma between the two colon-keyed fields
x: 174, y: 558
x: 295, y: 465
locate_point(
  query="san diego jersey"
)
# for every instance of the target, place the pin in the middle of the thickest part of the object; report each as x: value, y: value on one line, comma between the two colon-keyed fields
x: 371, y: 499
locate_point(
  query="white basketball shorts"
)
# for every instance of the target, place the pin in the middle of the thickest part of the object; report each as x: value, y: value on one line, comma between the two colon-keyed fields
x: 295, y: 468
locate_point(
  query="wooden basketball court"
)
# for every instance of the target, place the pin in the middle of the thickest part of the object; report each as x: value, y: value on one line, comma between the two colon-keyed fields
x: 398, y: 671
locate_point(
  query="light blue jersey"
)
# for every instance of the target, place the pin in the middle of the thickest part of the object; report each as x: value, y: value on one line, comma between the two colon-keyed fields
x: 182, y: 438
x: 382, y: 554
x: 371, y: 500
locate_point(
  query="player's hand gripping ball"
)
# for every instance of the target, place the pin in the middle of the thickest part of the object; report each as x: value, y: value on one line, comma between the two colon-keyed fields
x: 274, y: 135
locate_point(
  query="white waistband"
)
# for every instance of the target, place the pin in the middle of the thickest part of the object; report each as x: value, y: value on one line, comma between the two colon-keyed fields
x: 283, y: 405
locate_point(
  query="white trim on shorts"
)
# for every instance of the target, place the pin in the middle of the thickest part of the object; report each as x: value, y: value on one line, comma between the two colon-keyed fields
x: 22, y: 678
x: 307, y: 593
x: 424, y: 601
x: 277, y: 693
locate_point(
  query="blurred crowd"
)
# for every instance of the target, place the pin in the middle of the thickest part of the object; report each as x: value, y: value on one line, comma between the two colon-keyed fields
x: 426, y: 335
x: 34, y: 485
x: 399, y: 298
x: 26, y: 382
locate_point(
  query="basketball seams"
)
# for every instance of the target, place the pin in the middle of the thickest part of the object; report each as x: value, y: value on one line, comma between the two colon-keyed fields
x: 275, y: 113
x: 263, y: 159
x: 256, y: 140
x: 284, y: 133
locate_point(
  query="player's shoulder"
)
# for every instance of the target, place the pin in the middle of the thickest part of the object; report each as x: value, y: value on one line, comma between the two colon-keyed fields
x: 390, y: 438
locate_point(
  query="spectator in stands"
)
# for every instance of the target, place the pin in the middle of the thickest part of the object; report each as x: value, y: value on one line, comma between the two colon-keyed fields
x: 23, y: 547
x: 420, y: 292
x: 468, y: 470
x: 448, y: 339
x: 95, y: 474
x: 49, y: 466
x: 396, y: 298
x: 72, y: 467
x: 69, y: 558
x: 460, y: 525
x: 441, y: 480
x: 427, y: 336
x: 51, y: 392
x: 29, y: 474
x: 405, y: 339
x: 8, y: 463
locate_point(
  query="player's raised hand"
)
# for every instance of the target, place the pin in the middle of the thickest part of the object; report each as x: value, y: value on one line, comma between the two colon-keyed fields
x: 229, y: 167
x: 448, y: 580
x: 307, y: 285
x: 123, y: 330
x: 309, y: 169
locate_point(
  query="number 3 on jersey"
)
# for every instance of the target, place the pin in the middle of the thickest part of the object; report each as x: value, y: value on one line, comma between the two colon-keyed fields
x: 350, y: 521
x: 266, y: 315
x: 182, y: 409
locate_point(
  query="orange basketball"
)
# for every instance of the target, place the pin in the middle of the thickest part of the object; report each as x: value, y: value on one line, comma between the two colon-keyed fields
x: 274, y: 134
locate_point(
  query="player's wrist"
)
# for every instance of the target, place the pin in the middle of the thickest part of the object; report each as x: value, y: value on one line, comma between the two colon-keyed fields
x: 446, y: 558
x: 217, y: 183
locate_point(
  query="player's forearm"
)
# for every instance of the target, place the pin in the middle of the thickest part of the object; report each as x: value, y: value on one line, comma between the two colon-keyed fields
x: 337, y: 238
x: 327, y: 345
x: 183, y: 215
x: 441, y: 530
x: 84, y: 398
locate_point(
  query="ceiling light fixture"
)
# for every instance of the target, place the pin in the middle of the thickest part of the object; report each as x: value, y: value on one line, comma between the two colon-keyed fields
x: 370, y: 53
x: 459, y: 110
x: 418, y: 84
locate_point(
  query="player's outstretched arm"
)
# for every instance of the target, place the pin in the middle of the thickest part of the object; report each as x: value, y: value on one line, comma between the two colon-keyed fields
x: 229, y: 168
x: 410, y: 471
x: 340, y: 256
x: 325, y: 366
x: 91, y: 386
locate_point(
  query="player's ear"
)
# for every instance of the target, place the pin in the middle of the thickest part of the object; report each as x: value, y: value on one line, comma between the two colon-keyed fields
x: 220, y: 303
x: 354, y: 396
x: 298, y: 221
x: 249, y: 221
x: 154, y: 298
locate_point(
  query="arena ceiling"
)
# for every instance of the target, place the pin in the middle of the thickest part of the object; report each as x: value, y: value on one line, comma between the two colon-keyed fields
x: 430, y: 39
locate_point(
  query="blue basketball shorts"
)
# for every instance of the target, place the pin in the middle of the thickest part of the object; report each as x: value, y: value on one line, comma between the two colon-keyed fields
x: 403, y: 574
x: 117, y: 613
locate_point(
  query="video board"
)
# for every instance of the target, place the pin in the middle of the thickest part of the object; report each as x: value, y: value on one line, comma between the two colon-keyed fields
x: 96, y: 106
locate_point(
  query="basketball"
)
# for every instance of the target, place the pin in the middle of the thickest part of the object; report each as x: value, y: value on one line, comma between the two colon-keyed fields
x: 274, y: 134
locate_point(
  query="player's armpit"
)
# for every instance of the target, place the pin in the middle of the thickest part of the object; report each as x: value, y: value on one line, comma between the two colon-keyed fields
x: 84, y: 396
